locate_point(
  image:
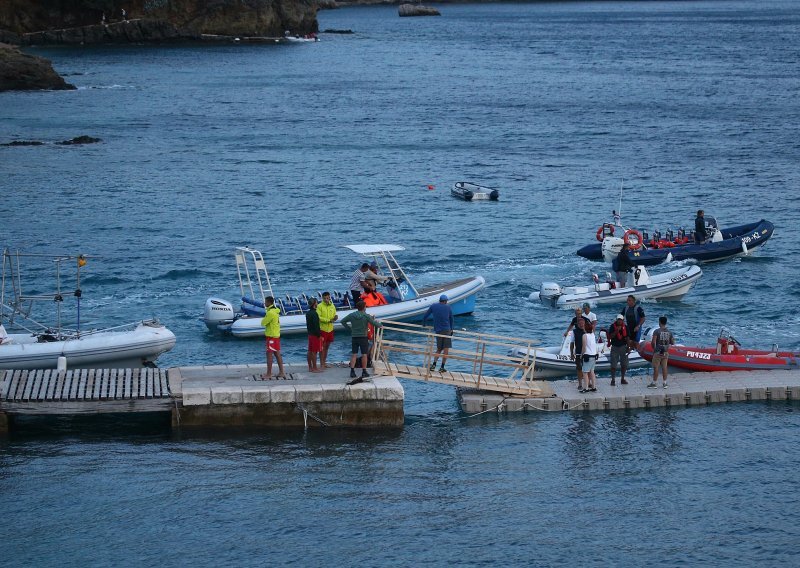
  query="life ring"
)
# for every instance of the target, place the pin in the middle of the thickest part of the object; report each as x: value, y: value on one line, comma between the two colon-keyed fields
x: 601, y: 232
x: 633, y: 244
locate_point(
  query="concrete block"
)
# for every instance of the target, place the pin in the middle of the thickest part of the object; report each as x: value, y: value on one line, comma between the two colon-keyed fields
x: 334, y: 392
x: 758, y: 393
x: 594, y: 403
x: 715, y: 396
x: 613, y: 403
x: 674, y: 400
x: 633, y: 401
x: 389, y: 388
x: 776, y: 393
x: 551, y: 404
x: 282, y: 393
x: 573, y: 403
x: 794, y: 393
x: 471, y: 403
x: 513, y: 405
x: 734, y: 395
x: 362, y: 391
x: 695, y: 398
x: 196, y: 396
x: 308, y: 393
x: 256, y: 394
x: 655, y: 400
x: 226, y: 395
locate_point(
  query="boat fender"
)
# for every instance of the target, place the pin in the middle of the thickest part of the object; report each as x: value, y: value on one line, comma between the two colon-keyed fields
x: 633, y: 239
x: 468, y: 195
x: 636, y: 274
x: 605, y: 230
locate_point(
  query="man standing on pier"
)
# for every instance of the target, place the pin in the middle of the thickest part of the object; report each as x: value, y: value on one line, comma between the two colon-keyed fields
x: 618, y: 341
x: 662, y: 339
x: 327, y: 315
x: 443, y: 325
x: 314, y: 336
x: 357, y: 322
x: 634, y: 319
x: 272, y: 331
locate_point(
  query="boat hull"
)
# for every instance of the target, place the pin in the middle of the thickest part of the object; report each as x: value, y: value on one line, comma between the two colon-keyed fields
x: 553, y: 362
x: 736, y: 241
x: 110, y: 349
x: 461, y: 296
x: 670, y: 286
x: 705, y: 359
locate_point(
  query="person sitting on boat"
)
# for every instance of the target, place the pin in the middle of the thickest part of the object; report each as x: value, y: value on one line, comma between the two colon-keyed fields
x: 371, y: 297
x: 700, y: 234
x: 623, y: 265
x: 634, y: 318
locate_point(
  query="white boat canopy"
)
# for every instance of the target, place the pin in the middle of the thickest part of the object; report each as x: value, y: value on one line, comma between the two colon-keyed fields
x: 373, y: 249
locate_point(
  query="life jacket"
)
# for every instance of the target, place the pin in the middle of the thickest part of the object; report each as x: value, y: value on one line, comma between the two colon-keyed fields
x: 617, y: 332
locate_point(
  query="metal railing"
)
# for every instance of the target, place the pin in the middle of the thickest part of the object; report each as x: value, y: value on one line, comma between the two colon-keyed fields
x: 484, y: 361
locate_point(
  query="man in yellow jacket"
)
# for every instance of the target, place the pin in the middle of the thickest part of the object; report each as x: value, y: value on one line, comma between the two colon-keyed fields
x: 272, y: 330
x: 327, y: 315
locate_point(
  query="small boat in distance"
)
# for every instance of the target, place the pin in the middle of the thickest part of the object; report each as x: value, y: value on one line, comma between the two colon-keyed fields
x: 669, y: 286
x: 727, y: 355
x: 33, y: 345
x: 474, y: 192
x: 404, y: 301
x: 653, y: 248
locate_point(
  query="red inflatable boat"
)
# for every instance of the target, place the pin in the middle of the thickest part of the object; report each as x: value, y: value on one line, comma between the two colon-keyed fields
x: 726, y: 356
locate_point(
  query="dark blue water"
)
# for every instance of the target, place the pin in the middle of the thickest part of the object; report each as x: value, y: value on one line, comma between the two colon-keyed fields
x: 297, y: 149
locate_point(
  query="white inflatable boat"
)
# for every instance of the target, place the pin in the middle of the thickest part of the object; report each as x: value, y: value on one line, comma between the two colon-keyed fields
x: 668, y: 286
x: 474, y: 192
x: 554, y: 362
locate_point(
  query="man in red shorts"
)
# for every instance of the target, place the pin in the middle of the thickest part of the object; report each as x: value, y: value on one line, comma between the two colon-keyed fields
x: 272, y: 331
x: 314, y: 336
x: 327, y: 315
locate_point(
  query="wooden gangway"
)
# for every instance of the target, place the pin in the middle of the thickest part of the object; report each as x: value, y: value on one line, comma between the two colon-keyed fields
x: 80, y: 391
x: 483, y: 360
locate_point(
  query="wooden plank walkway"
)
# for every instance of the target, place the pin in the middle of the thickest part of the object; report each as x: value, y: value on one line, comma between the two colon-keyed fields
x: 537, y: 389
x: 82, y: 391
x: 685, y: 389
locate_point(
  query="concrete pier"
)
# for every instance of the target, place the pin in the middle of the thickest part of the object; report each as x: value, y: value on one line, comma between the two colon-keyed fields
x: 233, y: 396
x: 684, y: 389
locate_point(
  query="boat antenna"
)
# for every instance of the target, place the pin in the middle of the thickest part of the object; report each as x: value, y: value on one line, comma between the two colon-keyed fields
x: 621, y: 185
x: 81, y: 260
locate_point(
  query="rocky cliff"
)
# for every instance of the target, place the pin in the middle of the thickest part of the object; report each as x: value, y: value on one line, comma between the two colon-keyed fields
x: 184, y: 18
x: 22, y: 72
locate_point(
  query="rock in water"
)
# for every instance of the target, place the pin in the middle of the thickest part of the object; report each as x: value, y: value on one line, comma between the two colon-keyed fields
x: 416, y: 10
x: 79, y: 140
x: 22, y: 72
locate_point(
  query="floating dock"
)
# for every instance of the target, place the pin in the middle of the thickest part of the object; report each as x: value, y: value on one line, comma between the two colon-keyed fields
x: 486, y: 377
x: 684, y: 389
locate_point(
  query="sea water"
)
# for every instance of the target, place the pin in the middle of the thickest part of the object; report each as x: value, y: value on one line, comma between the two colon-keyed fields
x: 297, y: 149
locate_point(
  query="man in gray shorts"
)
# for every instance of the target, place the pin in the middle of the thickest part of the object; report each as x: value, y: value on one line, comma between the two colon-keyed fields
x: 443, y: 328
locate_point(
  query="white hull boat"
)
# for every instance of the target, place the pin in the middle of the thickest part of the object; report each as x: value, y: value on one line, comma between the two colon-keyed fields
x: 554, y: 362
x: 406, y: 302
x: 136, y: 344
x: 668, y: 286
x: 474, y: 192
x: 137, y: 347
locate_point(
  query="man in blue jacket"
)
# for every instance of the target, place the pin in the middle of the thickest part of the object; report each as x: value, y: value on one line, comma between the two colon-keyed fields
x: 443, y: 327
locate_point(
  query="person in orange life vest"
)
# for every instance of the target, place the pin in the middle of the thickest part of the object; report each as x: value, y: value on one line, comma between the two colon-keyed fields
x: 371, y: 297
x: 618, y: 341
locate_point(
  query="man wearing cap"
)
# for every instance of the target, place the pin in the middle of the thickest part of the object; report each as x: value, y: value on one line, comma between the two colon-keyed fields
x: 618, y: 340
x: 442, y: 315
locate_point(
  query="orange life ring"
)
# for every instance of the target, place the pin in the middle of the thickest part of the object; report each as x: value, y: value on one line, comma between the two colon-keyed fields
x: 627, y: 239
x: 602, y: 230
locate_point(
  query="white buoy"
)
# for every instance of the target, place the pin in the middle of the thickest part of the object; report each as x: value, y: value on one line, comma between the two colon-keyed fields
x: 62, y: 364
x: 669, y: 257
x: 744, y: 248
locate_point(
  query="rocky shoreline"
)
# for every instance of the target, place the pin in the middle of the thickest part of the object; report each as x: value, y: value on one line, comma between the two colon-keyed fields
x: 22, y: 72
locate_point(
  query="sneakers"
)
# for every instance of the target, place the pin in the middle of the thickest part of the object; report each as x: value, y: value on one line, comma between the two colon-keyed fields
x: 364, y: 374
x: 352, y: 373
x: 355, y: 381
x: 593, y: 389
x: 442, y: 369
x: 613, y: 383
x: 652, y: 386
x: 665, y: 385
x: 623, y: 382
x: 432, y: 367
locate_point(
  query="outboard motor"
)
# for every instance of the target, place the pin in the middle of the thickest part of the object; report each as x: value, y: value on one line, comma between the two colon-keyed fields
x: 218, y: 312
x: 611, y: 247
x: 549, y: 292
